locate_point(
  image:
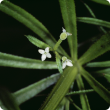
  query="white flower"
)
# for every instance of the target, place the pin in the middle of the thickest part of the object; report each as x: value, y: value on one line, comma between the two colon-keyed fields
x: 1, y: 108
x: 108, y: 1
x: 64, y: 34
x: 108, y: 108
x: 45, y: 53
x: 65, y: 62
x: 1, y: 1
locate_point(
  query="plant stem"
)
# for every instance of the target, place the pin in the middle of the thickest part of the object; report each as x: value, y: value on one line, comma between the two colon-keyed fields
x: 56, y: 53
x: 57, y: 44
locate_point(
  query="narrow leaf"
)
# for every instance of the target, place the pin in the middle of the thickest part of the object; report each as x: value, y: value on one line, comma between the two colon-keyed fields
x: 97, y: 49
x: 60, y: 89
x: 107, y: 76
x: 79, y: 92
x: 61, y: 105
x: 29, y: 21
x: 100, y: 89
x: 103, y: 2
x: 60, y: 108
x: 7, y: 100
x: 59, y: 64
x: 89, y: 41
x: 101, y: 29
x: 37, y: 42
x: 67, y: 105
x: 21, y: 62
x: 94, y: 21
x: 101, y: 73
x: 33, y: 89
x: 98, y: 64
x: 78, y: 108
x: 104, y: 73
x: 69, y: 18
x: 83, y: 97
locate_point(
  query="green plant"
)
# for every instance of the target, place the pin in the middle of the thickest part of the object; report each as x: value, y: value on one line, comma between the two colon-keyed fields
x: 59, y: 98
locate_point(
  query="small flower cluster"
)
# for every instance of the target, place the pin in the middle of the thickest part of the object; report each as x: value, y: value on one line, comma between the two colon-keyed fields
x: 45, y: 53
x: 1, y: 1
x: 1, y: 108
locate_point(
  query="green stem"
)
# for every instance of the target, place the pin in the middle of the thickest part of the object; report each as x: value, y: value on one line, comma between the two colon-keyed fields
x: 56, y: 53
x: 57, y: 44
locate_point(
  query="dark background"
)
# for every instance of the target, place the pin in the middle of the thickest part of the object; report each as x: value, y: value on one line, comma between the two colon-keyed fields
x: 13, y: 41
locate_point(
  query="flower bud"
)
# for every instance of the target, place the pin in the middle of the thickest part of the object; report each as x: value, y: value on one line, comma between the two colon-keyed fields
x: 63, y: 36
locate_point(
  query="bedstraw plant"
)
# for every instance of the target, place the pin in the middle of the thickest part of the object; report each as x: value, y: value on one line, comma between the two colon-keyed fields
x: 72, y: 68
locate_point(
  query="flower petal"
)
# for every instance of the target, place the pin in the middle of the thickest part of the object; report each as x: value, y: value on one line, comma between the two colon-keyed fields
x: 63, y: 29
x: 43, y: 57
x: 47, y: 49
x: 69, y: 60
x: 41, y: 51
x: 68, y: 34
x: 48, y: 55
x: 69, y: 63
x: 63, y: 64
